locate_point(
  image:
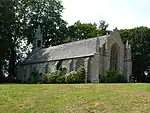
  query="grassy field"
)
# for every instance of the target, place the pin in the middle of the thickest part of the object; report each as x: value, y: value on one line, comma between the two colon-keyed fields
x: 83, y: 98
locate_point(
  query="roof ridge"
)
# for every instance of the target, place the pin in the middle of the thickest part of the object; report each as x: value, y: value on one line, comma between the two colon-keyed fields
x: 74, y: 49
x: 77, y: 41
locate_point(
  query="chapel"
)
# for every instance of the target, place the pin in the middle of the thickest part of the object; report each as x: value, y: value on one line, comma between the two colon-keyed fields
x: 96, y: 55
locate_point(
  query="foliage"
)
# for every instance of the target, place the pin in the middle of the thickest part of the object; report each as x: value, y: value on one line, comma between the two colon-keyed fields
x: 59, y: 77
x: 147, y: 77
x: 6, y: 19
x: 103, y: 27
x: 76, y: 76
x: 71, y: 77
x: 34, y: 78
x: 112, y: 76
x: 54, y: 77
x: 46, y: 13
x: 80, y: 31
x: 19, y: 20
x: 139, y: 38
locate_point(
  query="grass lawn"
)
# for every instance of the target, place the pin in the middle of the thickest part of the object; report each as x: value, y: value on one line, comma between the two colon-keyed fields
x: 83, y: 98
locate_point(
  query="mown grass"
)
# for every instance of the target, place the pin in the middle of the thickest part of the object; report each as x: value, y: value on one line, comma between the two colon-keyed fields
x: 81, y: 98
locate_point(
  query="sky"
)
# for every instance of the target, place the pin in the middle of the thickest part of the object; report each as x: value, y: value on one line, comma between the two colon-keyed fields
x: 123, y: 14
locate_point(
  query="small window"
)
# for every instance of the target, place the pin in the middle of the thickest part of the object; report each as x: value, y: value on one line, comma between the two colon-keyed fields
x: 39, y: 43
x: 79, y: 63
x: 59, y: 65
x: 71, y: 65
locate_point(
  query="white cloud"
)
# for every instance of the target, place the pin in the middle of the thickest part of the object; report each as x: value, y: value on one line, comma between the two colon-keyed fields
x: 118, y: 13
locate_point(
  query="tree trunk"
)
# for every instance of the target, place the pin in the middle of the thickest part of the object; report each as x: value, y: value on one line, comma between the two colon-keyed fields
x: 12, y: 65
x: 1, y: 72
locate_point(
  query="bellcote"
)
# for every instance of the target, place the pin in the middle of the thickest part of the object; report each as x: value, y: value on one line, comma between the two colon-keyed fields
x: 38, y: 39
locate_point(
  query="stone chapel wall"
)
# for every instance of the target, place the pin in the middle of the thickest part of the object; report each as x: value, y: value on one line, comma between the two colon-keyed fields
x: 45, y: 67
x: 116, y: 39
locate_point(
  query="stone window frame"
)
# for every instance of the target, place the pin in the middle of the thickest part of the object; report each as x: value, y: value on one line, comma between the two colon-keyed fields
x: 79, y: 63
x: 58, y: 65
x: 114, y: 56
x: 71, y: 65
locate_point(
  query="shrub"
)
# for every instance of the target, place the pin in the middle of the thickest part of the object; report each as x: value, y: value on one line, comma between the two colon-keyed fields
x: 70, y: 77
x: 112, y: 76
x: 80, y: 75
x: 76, y: 76
x: 54, y: 77
x: 147, y: 78
x: 51, y: 77
x: 59, y: 77
x: 35, y: 77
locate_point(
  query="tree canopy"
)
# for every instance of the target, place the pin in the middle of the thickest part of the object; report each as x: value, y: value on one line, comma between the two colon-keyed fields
x: 80, y: 30
x: 18, y: 22
x: 139, y: 38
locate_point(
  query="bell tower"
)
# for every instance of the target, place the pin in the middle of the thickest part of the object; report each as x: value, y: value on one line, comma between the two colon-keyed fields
x: 38, y: 39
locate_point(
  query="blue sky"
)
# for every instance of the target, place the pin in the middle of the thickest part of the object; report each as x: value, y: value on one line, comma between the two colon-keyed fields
x: 118, y: 13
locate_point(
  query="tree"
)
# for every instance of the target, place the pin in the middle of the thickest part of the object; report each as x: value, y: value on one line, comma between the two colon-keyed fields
x: 80, y: 31
x: 103, y: 27
x: 6, y: 19
x: 139, y: 38
x: 47, y: 14
x: 19, y: 20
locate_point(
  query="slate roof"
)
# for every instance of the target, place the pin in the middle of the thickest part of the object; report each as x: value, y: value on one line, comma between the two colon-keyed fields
x: 75, y: 49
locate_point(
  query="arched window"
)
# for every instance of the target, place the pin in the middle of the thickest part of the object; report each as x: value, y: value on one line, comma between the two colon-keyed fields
x: 79, y: 63
x: 70, y: 65
x: 39, y: 43
x: 114, y: 57
x: 59, y: 65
